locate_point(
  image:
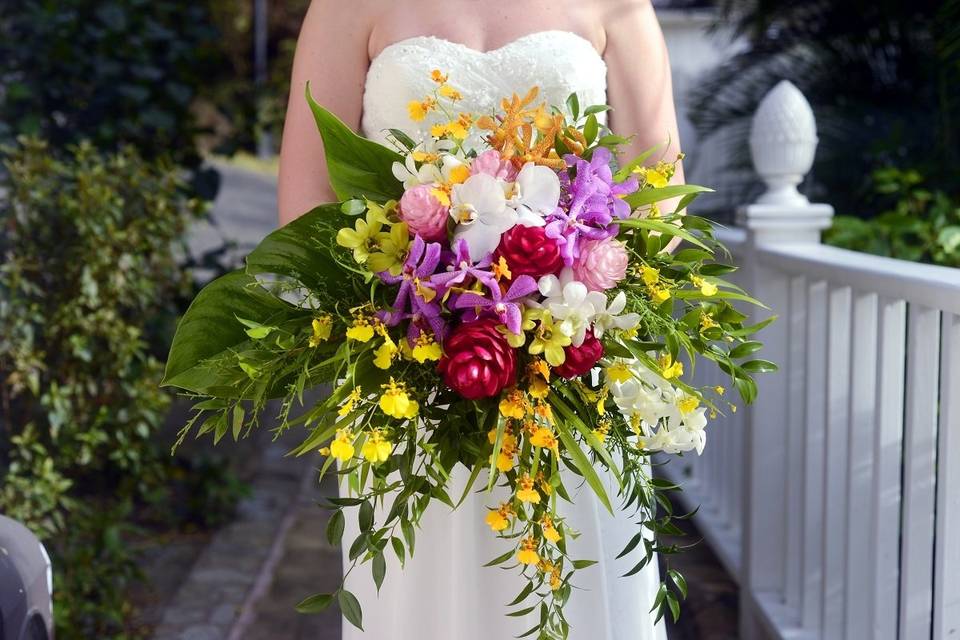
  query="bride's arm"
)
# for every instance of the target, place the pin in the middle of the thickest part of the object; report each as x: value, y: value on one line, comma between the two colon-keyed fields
x: 640, y: 87
x: 332, y: 55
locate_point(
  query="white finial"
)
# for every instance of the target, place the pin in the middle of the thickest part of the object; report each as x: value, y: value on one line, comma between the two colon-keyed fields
x: 783, y: 142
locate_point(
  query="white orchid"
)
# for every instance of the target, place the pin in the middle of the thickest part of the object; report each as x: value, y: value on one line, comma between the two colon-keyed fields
x: 608, y: 317
x: 411, y: 176
x: 481, y: 213
x: 571, y: 304
x: 534, y: 195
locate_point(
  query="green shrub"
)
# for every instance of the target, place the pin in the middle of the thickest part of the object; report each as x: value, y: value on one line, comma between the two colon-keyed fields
x: 113, y: 72
x: 917, y: 223
x: 88, y: 274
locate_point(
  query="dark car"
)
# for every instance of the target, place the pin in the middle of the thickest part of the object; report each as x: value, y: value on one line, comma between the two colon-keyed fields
x: 26, y: 585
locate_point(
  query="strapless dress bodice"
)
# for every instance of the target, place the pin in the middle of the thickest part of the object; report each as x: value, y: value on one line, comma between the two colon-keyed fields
x: 558, y: 62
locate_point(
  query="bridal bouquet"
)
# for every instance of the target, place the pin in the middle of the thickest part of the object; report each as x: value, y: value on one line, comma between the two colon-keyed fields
x: 498, y: 296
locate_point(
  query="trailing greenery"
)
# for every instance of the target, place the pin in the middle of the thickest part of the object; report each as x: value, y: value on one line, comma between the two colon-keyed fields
x: 883, y: 77
x: 114, y: 72
x: 88, y: 283
x: 917, y: 222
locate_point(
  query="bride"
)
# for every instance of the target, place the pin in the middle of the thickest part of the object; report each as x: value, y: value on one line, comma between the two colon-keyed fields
x: 365, y: 60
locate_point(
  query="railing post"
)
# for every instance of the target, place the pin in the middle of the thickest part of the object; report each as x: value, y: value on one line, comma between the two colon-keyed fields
x: 783, y: 142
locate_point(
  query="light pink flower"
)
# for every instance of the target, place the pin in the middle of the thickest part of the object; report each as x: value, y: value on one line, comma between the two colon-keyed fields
x: 490, y: 163
x: 602, y: 264
x: 424, y: 214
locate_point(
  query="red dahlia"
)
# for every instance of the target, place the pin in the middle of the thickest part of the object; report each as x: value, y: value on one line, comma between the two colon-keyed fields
x: 580, y: 359
x: 477, y: 362
x: 528, y: 251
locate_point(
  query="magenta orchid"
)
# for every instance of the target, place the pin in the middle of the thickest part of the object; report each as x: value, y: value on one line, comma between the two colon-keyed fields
x: 506, y: 306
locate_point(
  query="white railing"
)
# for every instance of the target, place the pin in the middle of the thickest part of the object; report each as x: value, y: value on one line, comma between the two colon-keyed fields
x: 835, y: 499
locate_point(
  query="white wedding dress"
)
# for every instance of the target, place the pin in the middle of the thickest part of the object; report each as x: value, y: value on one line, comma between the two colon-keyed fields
x: 444, y: 592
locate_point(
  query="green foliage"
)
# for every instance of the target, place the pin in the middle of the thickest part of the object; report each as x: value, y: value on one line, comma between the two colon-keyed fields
x: 113, y: 72
x: 242, y: 110
x: 88, y: 275
x: 881, y: 75
x: 917, y: 223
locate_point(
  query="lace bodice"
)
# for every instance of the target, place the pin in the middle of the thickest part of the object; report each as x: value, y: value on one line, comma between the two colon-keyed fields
x: 559, y: 62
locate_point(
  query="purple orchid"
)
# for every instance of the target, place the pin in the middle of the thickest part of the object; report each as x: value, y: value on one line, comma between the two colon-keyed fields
x: 591, y: 201
x: 416, y: 298
x: 460, y: 267
x: 505, y: 306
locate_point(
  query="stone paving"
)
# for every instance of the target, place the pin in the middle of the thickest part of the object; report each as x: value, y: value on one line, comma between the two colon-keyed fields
x: 208, y: 603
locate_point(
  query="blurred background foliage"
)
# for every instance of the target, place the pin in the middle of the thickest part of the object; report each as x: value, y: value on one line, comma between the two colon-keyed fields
x: 883, y: 77
x: 89, y: 291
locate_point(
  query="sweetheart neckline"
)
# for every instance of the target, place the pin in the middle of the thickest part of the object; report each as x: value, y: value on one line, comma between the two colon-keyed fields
x: 488, y: 52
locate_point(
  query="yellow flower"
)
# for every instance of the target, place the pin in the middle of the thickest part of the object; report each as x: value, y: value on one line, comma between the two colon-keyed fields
x: 396, y: 403
x: 321, y: 330
x: 342, y: 446
x: 449, y: 92
x: 650, y: 275
x: 543, y: 410
x: 669, y: 368
x: 418, y: 109
x: 391, y: 251
x: 496, y: 521
x: 528, y: 552
x: 719, y: 390
x: 526, y: 492
x: 385, y: 353
x: 499, y: 519
x: 706, y: 288
x: 501, y: 270
x: 438, y: 76
x: 377, y: 449
x: 707, y: 322
x: 363, y: 237
x: 601, y: 431
x: 550, y: 341
x: 350, y: 403
x: 362, y: 329
x: 544, y: 484
x: 508, y: 449
x: 426, y: 349
x: 549, y: 531
x: 514, y: 404
x: 619, y: 372
x: 544, y: 439
x: 438, y: 130
x: 655, y: 178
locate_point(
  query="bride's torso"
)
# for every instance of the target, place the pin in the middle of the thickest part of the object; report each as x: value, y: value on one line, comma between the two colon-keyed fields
x: 558, y: 62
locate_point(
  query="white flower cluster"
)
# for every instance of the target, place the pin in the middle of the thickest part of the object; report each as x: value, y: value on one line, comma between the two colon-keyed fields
x: 665, y: 418
x: 577, y: 309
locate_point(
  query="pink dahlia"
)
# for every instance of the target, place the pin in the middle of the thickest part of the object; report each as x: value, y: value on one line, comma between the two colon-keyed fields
x: 424, y: 214
x: 601, y: 264
x: 490, y: 163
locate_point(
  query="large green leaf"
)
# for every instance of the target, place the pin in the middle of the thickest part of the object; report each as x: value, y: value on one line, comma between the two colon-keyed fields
x: 302, y: 250
x: 357, y: 167
x: 210, y: 328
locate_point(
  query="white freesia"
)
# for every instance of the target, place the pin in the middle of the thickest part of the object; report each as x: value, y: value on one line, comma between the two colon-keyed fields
x: 608, y: 317
x: 534, y: 195
x: 481, y: 213
x: 570, y: 302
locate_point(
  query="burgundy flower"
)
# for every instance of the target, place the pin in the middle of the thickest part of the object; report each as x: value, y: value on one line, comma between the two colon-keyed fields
x: 528, y: 251
x: 580, y: 359
x: 477, y: 362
